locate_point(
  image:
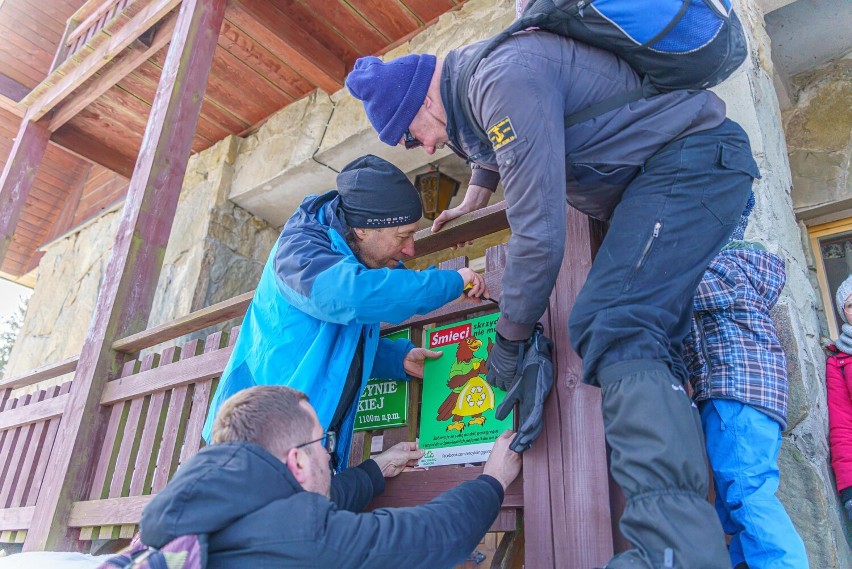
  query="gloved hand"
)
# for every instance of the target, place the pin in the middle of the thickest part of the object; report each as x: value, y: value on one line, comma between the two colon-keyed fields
x: 530, y: 390
x: 504, y: 362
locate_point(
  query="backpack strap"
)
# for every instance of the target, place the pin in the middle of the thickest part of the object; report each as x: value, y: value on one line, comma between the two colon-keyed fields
x: 157, y: 561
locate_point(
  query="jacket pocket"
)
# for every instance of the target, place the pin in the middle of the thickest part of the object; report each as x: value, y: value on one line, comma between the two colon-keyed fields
x: 729, y: 160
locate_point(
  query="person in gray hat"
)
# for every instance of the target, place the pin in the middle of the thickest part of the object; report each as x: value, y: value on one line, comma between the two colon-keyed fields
x: 838, y: 380
x: 335, y: 273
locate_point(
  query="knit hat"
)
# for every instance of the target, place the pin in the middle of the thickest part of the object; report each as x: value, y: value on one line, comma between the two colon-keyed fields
x: 375, y: 193
x: 392, y: 92
x: 739, y: 230
x: 843, y: 292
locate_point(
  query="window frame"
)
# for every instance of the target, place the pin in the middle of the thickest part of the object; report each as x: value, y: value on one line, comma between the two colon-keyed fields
x: 815, y: 233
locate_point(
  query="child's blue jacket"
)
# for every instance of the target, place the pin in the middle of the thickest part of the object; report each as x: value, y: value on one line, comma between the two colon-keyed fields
x: 313, y: 302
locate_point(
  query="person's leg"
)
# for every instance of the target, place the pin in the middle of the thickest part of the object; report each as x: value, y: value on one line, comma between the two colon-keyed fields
x: 744, y: 463
x: 628, y: 325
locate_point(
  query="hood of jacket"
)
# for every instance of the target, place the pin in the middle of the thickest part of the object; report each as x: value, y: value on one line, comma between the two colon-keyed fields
x: 765, y: 271
x: 218, y: 486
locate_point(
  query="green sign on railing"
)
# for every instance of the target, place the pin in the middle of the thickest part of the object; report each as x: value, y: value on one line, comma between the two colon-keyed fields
x: 384, y: 403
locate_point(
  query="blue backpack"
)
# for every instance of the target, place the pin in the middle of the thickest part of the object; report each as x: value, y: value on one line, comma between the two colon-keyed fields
x: 671, y: 44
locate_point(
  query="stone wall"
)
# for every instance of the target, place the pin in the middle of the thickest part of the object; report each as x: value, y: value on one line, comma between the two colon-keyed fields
x: 806, y: 481
x: 819, y: 138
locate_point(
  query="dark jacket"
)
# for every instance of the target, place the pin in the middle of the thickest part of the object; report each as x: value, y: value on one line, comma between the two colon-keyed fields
x: 733, y: 350
x: 313, y: 303
x: 256, y: 516
x: 521, y: 94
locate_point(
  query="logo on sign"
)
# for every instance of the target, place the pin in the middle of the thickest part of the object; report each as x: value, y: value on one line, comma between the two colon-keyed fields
x: 449, y: 336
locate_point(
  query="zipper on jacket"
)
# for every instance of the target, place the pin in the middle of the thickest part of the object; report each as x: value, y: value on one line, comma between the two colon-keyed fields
x: 648, y: 245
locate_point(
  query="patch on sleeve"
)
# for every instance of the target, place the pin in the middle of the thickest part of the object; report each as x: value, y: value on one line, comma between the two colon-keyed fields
x: 501, y: 133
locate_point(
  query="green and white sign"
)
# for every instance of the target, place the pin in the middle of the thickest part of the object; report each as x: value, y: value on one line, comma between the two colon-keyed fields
x: 384, y: 402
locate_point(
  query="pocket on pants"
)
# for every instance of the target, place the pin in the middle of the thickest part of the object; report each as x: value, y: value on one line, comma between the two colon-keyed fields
x: 726, y: 177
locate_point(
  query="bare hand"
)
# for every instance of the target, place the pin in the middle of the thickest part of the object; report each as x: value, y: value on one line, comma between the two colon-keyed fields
x: 478, y: 288
x: 475, y: 197
x: 414, y: 360
x: 504, y: 464
x: 397, y: 458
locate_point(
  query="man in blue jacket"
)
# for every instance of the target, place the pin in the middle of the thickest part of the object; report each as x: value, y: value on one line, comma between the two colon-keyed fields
x: 333, y: 276
x: 262, y: 495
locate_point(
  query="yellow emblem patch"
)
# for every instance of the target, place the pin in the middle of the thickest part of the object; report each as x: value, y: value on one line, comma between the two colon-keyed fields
x: 501, y: 133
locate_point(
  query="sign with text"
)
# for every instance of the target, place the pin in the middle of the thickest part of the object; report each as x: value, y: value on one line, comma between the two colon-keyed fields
x: 457, y: 423
x: 384, y: 402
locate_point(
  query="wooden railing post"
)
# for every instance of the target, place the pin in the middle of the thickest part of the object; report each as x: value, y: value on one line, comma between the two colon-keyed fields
x: 125, y: 298
x: 18, y: 175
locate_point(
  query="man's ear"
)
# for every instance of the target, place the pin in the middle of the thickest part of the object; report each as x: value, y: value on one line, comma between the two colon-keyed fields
x: 297, y: 462
x: 360, y: 232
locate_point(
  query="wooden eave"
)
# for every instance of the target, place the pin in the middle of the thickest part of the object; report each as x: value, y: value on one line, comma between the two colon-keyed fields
x: 96, y: 102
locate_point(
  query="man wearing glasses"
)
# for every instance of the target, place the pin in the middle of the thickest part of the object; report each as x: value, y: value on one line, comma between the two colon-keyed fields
x: 335, y: 273
x: 263, y: 496
x: 669, y: 173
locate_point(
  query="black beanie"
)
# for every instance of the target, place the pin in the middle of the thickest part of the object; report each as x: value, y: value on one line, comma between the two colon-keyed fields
x: 375, y: 193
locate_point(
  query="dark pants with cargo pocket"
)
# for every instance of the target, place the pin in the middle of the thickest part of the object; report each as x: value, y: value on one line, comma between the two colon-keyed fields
x: 628, y: 324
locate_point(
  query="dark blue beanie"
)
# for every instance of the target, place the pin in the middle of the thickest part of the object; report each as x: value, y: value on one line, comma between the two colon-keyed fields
x: 375, y: 193
x: 392, y: 92
x: 740, y: 229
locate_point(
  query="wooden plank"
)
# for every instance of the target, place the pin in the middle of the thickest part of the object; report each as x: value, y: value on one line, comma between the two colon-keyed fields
x: 28, y: 468
x: 388, y: 16
x: 101, y: 84
x: 12, y: 480
x: 70, y: 204
x: 428, y: 10
x: 114, y: 511
x: 468, y: 227
x: 130, y: 281
x: 275, y: 31
x: 15, y: 518
x: 18, y: 175
x: 72, y: 139
x: 202, y: 368
x: 567, y: 517
x: 11, y: 89
x: 9, y: 441
x: 201, y: 401
x: 198, y: 320
x: 48, y: 371
x: 73, y: 75
x: 44, y: 455
x: 418, y: 487
x: 33, y: 413
x: 175, y: 427
x: 97, y: 11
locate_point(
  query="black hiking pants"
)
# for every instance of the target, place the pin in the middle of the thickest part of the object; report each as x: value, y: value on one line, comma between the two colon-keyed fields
x: 628, y: 325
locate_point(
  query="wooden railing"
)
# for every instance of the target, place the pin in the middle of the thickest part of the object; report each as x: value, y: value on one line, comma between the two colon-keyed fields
x: 157, y: 406
x: 86, y: 25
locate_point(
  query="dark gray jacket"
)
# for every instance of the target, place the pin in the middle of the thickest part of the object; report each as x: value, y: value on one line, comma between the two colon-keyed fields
x: 256, y: 515
x: 520, y: 95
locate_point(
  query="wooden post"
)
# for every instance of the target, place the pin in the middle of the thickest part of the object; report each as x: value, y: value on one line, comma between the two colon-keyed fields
x: 126, y: 295
x: 18, y: 176
x: 566, y: 488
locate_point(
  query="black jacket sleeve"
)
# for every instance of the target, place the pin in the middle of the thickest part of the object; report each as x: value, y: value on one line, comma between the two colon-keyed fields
x: 354, y: 488
x: 437, y: 535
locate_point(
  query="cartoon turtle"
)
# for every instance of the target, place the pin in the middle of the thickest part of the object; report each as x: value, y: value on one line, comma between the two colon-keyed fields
x: 471, y: 395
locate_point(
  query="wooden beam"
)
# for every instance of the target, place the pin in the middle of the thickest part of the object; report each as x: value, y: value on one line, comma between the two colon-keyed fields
x: 198, y: 320
x: 468, y: 227
x: 73, y: 75
x: 111, y: 511
x: 418, y: 487
x: 130, y: 280
x: 11, y: 89
x: 18, y: 175
x: 16, y: 518
x: 192, y: 370
x: 135, y: 57
x: 48, y: 371
x: 274, y: 30
x: 84, y: 146
x: 33, y: 413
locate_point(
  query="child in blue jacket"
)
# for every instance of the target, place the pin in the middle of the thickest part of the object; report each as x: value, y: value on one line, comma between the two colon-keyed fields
x: 738, y: 374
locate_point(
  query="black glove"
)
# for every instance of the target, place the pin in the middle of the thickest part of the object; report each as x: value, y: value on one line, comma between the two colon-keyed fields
x: 504, y: 363
x: 530, y: 389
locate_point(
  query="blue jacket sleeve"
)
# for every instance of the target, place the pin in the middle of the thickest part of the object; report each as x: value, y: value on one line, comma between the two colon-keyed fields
x: 389, y: 357
x: 354, y: 488
x: 439, y: 534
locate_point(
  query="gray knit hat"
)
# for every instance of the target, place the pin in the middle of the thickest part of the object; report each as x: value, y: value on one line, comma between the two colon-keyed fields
x: 843, y: 292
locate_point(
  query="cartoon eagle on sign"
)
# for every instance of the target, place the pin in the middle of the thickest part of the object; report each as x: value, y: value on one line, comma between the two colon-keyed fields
x: 470, y: 394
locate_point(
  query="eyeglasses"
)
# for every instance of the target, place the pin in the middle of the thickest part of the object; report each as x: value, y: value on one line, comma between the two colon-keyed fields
x: 847, y: 307
x: 329, y: 442
x: 410, y: 141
